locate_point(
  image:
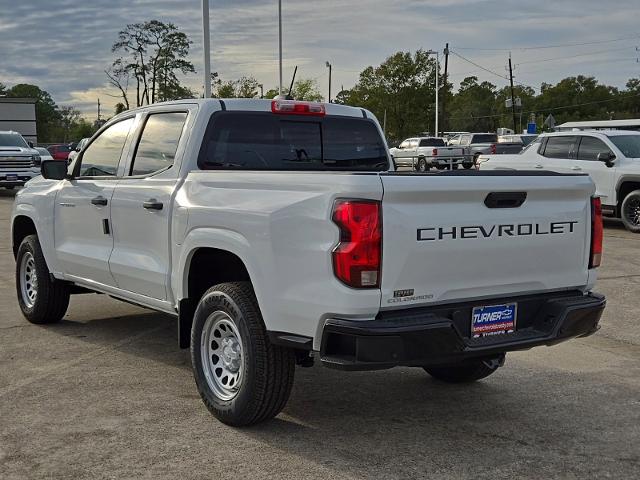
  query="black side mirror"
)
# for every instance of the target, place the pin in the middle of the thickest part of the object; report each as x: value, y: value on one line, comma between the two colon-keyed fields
x: 30, y: 144
x: 54, y: 169
x: 607, y: 158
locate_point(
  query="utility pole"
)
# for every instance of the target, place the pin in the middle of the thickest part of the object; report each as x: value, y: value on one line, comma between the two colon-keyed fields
x: 330, y: 67
x: 437, y: 69
x: 98, y: 111
x: 206, y: 40
x: 444, y: 95
x: 261, y: 90
x: 280, y: 43
x: 513, y: 100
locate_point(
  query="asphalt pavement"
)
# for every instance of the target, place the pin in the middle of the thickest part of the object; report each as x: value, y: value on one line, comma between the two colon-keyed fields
x: 106, y: 393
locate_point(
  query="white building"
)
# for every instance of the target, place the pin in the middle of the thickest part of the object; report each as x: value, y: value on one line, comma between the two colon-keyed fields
x: 19, y: 115
x: 629, y: 124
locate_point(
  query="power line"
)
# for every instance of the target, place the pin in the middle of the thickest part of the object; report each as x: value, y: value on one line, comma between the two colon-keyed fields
x: 559, y: 45
x: 504, y: 77
x: 574, y: 55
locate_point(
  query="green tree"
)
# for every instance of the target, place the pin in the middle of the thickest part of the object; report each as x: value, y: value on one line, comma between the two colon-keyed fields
x: 403, y: 87
x: 244, y: 87
x: 154, y: 53
x: 473, y: 107
x: 307, y: 89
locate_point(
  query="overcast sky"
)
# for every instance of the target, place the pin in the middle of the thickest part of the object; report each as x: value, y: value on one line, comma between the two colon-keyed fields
x: 64, y: 45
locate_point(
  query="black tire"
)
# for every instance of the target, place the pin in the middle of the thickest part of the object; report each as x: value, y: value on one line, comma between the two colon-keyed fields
x: 630, y: 211
x: 466, y: 372
x: 52, y: 297
x: 422, y: 165
x: 267, y: 370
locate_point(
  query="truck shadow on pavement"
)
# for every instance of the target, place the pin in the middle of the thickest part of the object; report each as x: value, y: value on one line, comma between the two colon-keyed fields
x: 400, y: 423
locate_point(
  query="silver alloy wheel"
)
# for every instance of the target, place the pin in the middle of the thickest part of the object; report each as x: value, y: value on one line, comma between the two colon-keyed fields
x: 221, y: 354
x: 632, y: 211
x: 28, y: 280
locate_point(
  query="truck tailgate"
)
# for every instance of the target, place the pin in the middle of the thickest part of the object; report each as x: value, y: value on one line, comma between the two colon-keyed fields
x: 449, y: 237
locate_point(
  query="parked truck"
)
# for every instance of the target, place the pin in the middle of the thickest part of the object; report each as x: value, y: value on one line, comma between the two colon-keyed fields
x: 19, y: 162
x: 278, y: 233
x: 423, y: 153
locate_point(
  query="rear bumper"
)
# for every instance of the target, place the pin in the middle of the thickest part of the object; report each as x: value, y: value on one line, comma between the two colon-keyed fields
x: 441, y: 335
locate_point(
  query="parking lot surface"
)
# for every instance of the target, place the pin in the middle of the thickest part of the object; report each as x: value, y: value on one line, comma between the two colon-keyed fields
x: 107, y: 394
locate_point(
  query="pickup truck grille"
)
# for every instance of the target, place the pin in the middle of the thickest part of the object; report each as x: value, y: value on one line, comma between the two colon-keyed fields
x: 15, y: 162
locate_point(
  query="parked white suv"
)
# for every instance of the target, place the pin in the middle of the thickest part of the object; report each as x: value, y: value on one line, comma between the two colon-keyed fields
x: 611, y: 158
x: 276, y: 234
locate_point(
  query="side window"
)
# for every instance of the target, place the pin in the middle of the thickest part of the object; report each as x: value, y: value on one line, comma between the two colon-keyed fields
x: 101, y: 158
x: 465, y: 140
x: 414, y: 143
x: 559, y: 147
x: 158, y: 143
x: 404, y: 144
x: 590, y: 147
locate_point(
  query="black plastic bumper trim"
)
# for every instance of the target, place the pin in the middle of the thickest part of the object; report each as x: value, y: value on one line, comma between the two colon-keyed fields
x: 438, y: 336
x: 290, y: 340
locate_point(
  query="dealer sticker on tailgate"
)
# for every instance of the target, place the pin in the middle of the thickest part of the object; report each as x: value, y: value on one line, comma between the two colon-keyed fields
x: 493, y: 319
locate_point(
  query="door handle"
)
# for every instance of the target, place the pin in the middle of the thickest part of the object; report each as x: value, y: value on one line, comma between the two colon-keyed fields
x: 576, y: 168
x: 538, y: 166
x: 152, y: 204
x: 100, y: 201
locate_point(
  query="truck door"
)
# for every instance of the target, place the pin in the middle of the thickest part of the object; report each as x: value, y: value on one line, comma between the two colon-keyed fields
x: 587, y: 161
x: 141, y: 207
x: 82, y: 225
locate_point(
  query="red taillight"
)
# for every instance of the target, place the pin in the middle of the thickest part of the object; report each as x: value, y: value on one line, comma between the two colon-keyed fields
x: 434, y: 152
x: 596, y: 233
x: 356, y: 258
x: 494, y: 149
x: 291, y: 107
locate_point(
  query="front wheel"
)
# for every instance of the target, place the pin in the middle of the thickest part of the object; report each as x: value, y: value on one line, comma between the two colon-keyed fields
x: 465, y: 372
x: 630, y: 211
x: 242, y: 378
x: 41, y: 298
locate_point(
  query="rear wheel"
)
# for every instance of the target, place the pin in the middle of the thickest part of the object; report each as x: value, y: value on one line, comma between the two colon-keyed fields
x: 630, y: 211
x: 41, y: 298
x: 465, y: 372
x: 422, y: 165
x: 242, y: 378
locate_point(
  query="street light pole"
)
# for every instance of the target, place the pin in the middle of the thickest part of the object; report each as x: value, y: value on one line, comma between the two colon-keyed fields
x: 280, y: 43
x: 330, y: 67
x: 431, y: 52
x: 206, y: 40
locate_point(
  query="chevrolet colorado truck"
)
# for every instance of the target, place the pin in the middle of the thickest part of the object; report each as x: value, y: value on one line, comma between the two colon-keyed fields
x: 19, y: 163
x: 278, y: 233
x: 610, y: 157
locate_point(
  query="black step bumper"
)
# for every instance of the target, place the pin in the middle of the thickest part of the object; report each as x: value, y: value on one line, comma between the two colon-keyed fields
x: 442, y: 335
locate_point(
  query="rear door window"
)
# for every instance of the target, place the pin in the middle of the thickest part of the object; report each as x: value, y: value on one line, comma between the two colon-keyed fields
x: 158, y: 143
x: 591, y: 147
x: 263, y: 141
x: 559, y: 147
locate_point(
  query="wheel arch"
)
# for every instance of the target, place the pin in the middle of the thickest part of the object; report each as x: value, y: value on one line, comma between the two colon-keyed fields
x: 626, y: 185
x: 21, y: 227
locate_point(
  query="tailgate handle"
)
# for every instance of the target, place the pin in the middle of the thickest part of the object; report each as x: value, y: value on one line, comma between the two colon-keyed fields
x: 505, y: 199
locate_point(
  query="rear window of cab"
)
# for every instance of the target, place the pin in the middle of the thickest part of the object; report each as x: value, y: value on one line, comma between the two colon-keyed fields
x: 264, y: 141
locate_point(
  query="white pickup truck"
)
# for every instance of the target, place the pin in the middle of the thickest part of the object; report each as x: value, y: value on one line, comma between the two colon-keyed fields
x: 423, y: 153
x: 276, y: 234
x: 19, y: 162
x: 610, y: 157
